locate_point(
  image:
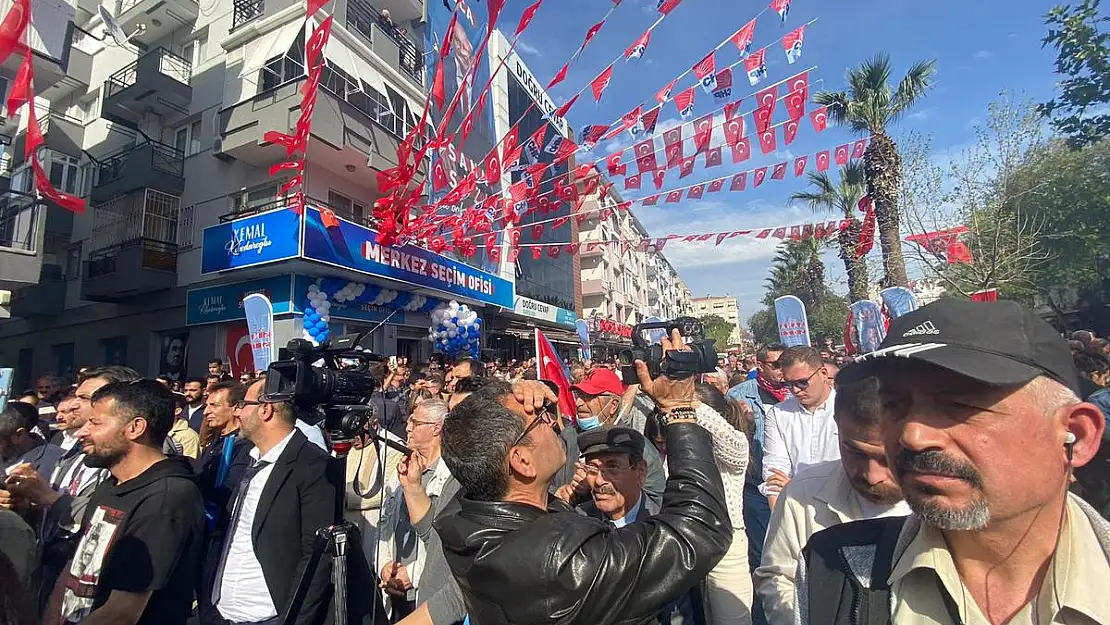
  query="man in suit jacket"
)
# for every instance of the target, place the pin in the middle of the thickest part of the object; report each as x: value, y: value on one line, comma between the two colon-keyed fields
x: 283, y: 498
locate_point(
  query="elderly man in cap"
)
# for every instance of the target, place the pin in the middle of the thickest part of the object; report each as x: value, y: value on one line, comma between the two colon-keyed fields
x: 983, y: 428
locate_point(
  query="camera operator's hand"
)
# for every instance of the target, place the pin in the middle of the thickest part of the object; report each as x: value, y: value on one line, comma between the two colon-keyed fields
x: 533, y: 395
x: 667, y: 393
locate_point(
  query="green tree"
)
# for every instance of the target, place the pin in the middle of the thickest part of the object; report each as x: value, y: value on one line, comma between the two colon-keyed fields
x: 868, y: 106
x: 719, y: 329
x: 842, y: 198
x: 798, y: 270
x: 1083, y: 60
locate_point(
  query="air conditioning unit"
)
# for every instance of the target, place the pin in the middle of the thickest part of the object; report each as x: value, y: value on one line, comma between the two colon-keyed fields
x: 218, y: 150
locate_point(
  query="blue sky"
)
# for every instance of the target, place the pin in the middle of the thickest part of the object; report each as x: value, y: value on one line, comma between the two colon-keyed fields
x: 982, y: 49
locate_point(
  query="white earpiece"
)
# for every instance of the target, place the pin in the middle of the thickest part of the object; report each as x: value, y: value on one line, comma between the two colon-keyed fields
x: 1070, y: 438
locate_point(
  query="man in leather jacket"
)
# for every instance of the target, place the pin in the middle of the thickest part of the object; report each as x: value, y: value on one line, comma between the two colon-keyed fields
x: 522, y: 556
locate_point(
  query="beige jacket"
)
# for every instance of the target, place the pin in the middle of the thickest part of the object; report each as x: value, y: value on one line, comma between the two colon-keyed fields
x: 818, y: 497
x: 186, y: 437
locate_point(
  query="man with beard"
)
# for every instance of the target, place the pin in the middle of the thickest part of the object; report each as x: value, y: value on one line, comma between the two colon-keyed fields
x: 143, y: 528
x: 982, y: 426
x: 194, y: 392
x: 858, y: 486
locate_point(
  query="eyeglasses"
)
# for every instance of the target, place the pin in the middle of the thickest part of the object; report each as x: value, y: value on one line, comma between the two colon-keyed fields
x: 774, y: 364
x: 545, y: 415
x: 801, y: 385
x: 419, y: 422
x: 609, y: 471
x: 243, y: 403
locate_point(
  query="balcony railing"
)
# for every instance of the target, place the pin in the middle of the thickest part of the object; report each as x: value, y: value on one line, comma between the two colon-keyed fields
x: 343, y: 212
x: 364, y: 18
x: 148, y: 215
x: 163, y: 157
x: 155, y: 255
x: 244, y: 11
x: 169, y: 64
x: 19, y: 216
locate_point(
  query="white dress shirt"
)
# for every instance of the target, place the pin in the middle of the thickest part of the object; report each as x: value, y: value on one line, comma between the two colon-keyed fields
x: 796, y: 438
x: 243, y: 592
x: 313, y: 433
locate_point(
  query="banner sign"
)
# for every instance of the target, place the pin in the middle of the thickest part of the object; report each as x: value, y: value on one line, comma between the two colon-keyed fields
x: 527, y: 307
x: 868, y: 324
x: 260, y: 322
x: 224, y: 302
x: 584, y: 339
x: 898, y: 301
x: 793, y: 323
x: 250, y: 241
x: 356, y: 247
x: 611, y: 328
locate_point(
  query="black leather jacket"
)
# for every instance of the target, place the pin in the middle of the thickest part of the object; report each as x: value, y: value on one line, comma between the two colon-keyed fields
x: 517, y: 564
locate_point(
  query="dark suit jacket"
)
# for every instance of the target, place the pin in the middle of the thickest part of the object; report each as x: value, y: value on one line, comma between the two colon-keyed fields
x: 300, y: 497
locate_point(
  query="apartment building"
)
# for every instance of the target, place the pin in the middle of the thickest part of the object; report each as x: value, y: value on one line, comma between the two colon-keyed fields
x: 163, y: 133
x: 725, y: 307
x: 620, y: 282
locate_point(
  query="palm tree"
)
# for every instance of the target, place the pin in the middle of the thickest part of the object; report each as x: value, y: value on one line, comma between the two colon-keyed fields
x: 842, y: 198
x: 797, y: 269
x: 868, y: 106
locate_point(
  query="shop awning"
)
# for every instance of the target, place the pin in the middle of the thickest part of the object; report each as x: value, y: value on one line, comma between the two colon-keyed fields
x: 274, y: 43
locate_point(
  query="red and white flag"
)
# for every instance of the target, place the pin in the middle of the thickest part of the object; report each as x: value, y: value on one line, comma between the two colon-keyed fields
x: 755, y: 66
x: 792, y: 44
x: 672, y: 146
x: 820, y: 119
x: 743, y: 38
x: 632, y: 182
x: 739, y: 181
x: 666, y: 6
x: 716, y: 185
x: 674, y: 197
x: 647, y: 122
x: 762, y: 117
x: 789, y: 131
x: 841, y: 154
x: 686, y: 166
x: 767, y: 141
x: 705, y: 71
x: 732, y: 109
x: 631, y: 119
x: 638, y: 47
x: 601, y: 82
x: 664, y: 94
x: 645, y: 156
x: 560, y: 76
x: 782, y: 7
x: 590, y: 34
x: 525, y: 18
x: 859, y: 148
x: 657, y: 177
x: 734, y: 130
x: 779, y: 171
x: 799, y: 83
x: 614, y: 165
x: 767, y: 97
x: 703, y: 132
x: 713, y: 157
x: 684, y: 101
x: 823, y: 160
x: 551, y: 369
x: 800, y: 165
x: 759, y: 176
x: 695, y: 192
x: 795, y: 104
x: 742, y: 150
x: 650, y: 200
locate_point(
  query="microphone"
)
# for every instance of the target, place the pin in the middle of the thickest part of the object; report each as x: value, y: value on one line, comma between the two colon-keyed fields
x: 373, y: 430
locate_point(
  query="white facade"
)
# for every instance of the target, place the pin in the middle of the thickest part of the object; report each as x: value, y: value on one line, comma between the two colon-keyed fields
x: 726, y: 307
x: 625, y: 285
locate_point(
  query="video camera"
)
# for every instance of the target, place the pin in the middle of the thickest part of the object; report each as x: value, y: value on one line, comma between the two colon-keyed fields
x: 338, y: 392
x: 702, y: 357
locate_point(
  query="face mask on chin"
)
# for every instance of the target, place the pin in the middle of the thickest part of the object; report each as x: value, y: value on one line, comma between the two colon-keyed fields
x: 593, y: 421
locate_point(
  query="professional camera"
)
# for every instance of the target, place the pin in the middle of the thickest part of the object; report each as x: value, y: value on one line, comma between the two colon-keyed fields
x: 338, y: 392
x: 702, y: 357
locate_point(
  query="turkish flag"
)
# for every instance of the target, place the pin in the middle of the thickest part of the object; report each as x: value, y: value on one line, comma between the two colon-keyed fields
x: 734, y: 130
x: 632, y: 182
x: 713, y: 157
x: 799, y: 83
x: 767, y: 97
x: 789, y: 131
x: 686, y: 167
x: 703, y: 131
x: 13, y: 27
x: 716, y: 185
x: 614, y: 166
x: 537, y: 252
x: 859, y: 148
x: 645, y: 156
x: 695, y: 192
x: 767, y: 141
x: 565, y: 192
x: 439, y: 175
x: 657, y: 177
x: 742, y: 150
x: 823, y: 160
x: 800, y: 165
x: 841, y: 154
x: 739, y: 181
x: 537, y: 232
x: 526, y: 17
x: 672, y: 141
x: 237, y: 346
x: 560, y: 76
x: 760, y: 175
x: 650, y: 200
x: 796, y: 104
x: 820, y: 119
x: 20, y: 92
x: 762, y: 116
x: 779, y: 172
x: 673, y: 197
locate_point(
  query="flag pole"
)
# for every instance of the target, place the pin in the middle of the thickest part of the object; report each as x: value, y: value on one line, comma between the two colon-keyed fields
x: 539, y: 365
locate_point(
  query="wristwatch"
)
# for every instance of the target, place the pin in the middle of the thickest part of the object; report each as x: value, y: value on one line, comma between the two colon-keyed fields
x: 681, y: 413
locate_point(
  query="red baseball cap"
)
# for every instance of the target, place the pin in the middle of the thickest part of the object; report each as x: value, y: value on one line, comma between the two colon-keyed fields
x: 599, y: 381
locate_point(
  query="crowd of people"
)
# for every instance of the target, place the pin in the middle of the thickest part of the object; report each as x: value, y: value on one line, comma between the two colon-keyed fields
x: 954, y: 475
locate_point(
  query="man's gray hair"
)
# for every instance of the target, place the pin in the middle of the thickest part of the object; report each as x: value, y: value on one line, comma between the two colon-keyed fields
x: 433, y: 409
x: 1051, y: 395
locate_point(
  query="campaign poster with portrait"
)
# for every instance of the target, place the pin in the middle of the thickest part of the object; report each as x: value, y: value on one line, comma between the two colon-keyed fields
x: 173, y: 360
x: 869, y: 326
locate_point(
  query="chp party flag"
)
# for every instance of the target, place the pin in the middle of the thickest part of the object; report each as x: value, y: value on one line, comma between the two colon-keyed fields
x: 755, y: 66
x: 666, y: 6
x: 638, y: 47
x: 723, y: 90
x: 647, y: 121
x: 792, y: 44
x: 601, y: 82
x: 631, y: 120
x: 664, y: 94
x: 705, y: 71
x: 782, y: 7
x: 743, y: 38
x: 551, y: 369
x: 684, y: 102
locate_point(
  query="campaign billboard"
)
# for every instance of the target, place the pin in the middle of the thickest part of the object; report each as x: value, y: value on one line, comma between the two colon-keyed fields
x: 224, y: 302
x: 255, y: 240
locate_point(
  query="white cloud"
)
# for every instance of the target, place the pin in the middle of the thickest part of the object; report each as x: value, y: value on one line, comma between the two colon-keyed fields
x: 527, y: 48
x: 983, y: 54
x: 920, y: 115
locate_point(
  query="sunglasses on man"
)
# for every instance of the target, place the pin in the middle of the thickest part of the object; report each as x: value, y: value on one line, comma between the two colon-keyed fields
x: 802, y: 384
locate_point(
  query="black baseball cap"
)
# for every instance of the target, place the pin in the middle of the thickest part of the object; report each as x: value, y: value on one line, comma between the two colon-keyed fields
x: 611, y: 440
x: 998, y: 343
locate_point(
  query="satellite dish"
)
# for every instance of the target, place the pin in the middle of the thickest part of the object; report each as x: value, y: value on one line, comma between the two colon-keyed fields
x: 113, y: 29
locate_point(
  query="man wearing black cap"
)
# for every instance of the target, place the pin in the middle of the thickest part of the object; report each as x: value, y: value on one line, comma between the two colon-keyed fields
x: 615, y: 471
x: 983, y: 428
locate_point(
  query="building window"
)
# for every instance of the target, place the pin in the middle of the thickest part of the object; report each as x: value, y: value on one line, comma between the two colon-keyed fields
x: 73, y: 261
x: 185, y: 234
x: 288, y: 66
x: 186, y: 139
x: 244, y: 11
x: 196, y: 50
x: 63, y: 172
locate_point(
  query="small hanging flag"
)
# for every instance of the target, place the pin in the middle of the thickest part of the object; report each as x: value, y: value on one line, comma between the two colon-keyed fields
x: 590, y: 34
x: 673, y: 197
x: 743, y: 38
x: 647, y: 122
x: 686, y: 167
x: 762, y: 117
x: 665, y: 93
x: 657, y: 177
x: 560, y: 76
x: 859, y: 148
x: 713, y: 157
x: 672, y: 143
x: 841, y: 154
x: 820, y: 119
x: 779, y: 172
x: 795, y: 104
x: 591, y: 134
x: 759, y: 176
x: 789, y: 131
x: 666, y: 6
x: 650, y: 200
x: 823, y: 160
x: 716, y: 185
x: 565, y: 108
x: 614, y: 165
x: 739, y: 181
x: 631, y: 120
x: 742, y: 150
x: 767, y: 141
x: 601, y: 82
x: 767, y: 97
x: 734, y: 130
x: 695, y: 192
x: 799, y: 83
x: 645, y: 156
x: 792, y: 44
x: 757, y: 69
x: 638, y: 47
x: 684, y: 101
x: 800, y: 166
x: 495, y: 7
x: 723, y: 90
x: 705, y: 71
x: 632, y: 182
x: 782, y: 7
x: 731, y: 110
x: 703, y: 131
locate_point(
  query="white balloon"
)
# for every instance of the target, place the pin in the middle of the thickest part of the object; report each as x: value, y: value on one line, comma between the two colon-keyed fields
x: 340, y: 297
x: 312, y: 288
x: 452, y: 333
x: 324, y: 305
x: 326, y: 317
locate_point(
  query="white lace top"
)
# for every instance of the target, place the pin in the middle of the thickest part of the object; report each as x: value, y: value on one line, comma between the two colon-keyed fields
x: 730, y: 451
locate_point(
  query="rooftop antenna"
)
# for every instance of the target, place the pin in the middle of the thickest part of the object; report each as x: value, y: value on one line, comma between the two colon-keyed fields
x: 113, y: 29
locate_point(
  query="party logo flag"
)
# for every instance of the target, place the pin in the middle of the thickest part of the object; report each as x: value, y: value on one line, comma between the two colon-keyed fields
x: 743, y: 38
x: 534, y: 144
x: 823, y: 160
x: 859, y: 148
x: 632, y: 182
x: 665, y: 93
x: 713, y: 157
x: 703, y: 131
x: 695, y: 192
x: 762, y: 117
x: 734, y: 130
x: 759, y: 177
x: 495, y: 7
x: 650, y: 200
x: 767, y: 141
x: 657, y: 177
x: 645, y: 156
x: 841, y: 154
x: 742, y: 150
x: 723, y: 90
x: 631, y: 120
x: 672, y: 142
x: 564, y: 148
x: 673, y: 197
x: 800, y: 165
x: 782, y: 7
x: 648, y: 120
x: 591, y: 134
x: 756, y: 68
x: 779, y: 172
x: 739, y: 181
x: 564, y: 109
x: 684, y: 101
x: 614, y: 165
x: 666, y: 6
x: 601, y: 82
x: 526, y: 17
x: 820, y: 119
x: 792, y: 44
x: 789, y: 131
x: 686, y: 166
x: 795, y: 104
x: 590, y: 34
x: 716, y: 185
x: 560, y: 76
x: 705, y: 71
x: 638, y: 47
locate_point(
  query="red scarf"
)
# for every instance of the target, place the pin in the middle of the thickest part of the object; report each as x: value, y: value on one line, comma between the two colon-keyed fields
x: 777, y: 390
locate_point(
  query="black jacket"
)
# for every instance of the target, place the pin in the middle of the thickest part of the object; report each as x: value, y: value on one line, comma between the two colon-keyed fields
x: 574, y: 569
x: 300, y: 497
